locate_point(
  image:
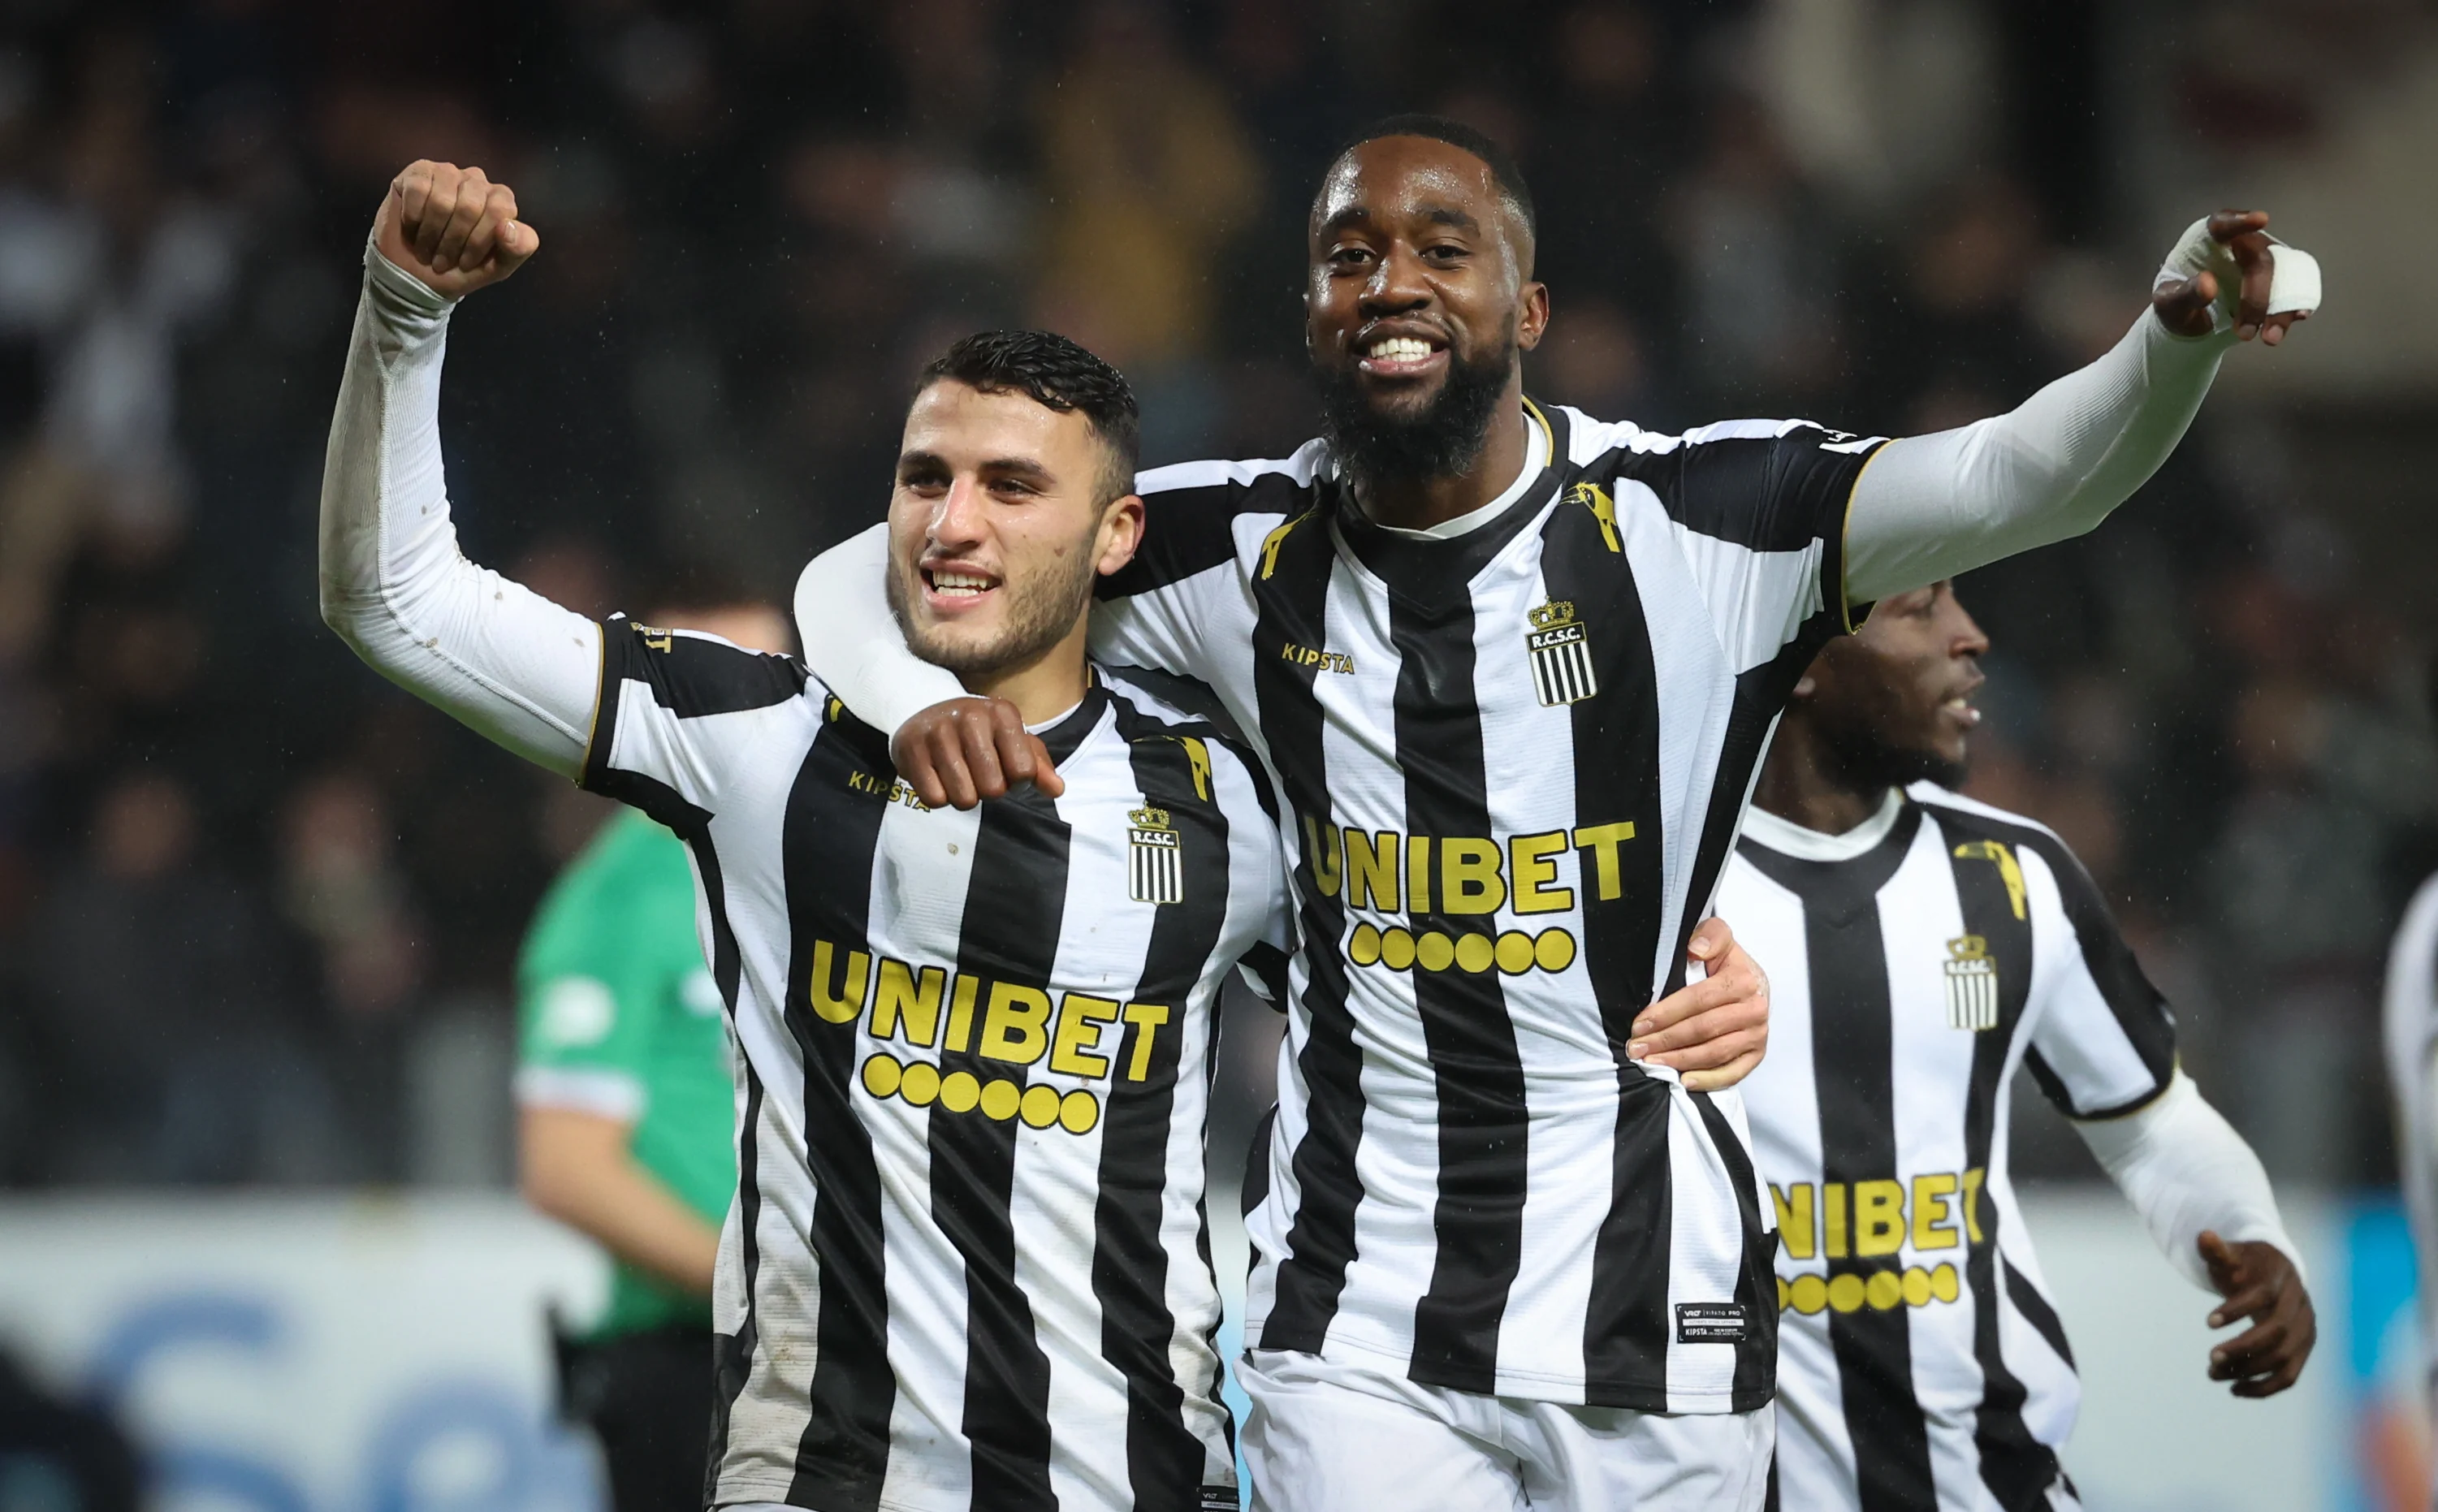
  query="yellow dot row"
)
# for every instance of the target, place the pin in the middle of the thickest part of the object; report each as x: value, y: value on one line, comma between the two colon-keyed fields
x: 999, y: 1099
x: 1882, y: 1290
x: 1515, y: 951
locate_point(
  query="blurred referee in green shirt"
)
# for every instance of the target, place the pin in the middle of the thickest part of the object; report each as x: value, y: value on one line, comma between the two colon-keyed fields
x: 627, y: 1119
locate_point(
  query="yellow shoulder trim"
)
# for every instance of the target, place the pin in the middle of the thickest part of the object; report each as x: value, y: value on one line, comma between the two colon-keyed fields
x: 1846, y: 544
x: 1548, y: 437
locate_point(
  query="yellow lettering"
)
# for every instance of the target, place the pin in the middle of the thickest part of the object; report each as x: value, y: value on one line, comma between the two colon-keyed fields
x: 1079, y: 1034
x: 1469, y: 879
x: 1603, y: 840
x: 1878, y: 1217
x: 1794, y: 1219
x: 1146, y: 1018
x: 846, y: 1005
x: 1833, y: 1198
x: 1371, y: 869
x: 1418, y: 874
x: 960, y: 1015
x: 1528, y: 858
x: 1932, y: 1194
x: 1017, y: 1029
x: 908, y: 1001
x: 1320, y: 854
x: 1973, y: 1203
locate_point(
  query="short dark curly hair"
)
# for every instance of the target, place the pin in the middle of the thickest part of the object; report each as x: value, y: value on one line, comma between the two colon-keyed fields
x: 1059, y: 375
x: 1501, y: 163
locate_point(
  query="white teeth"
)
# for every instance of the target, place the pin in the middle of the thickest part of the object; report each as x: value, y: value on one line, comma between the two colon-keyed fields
x: 1400, y: 349
x: 959, y: 583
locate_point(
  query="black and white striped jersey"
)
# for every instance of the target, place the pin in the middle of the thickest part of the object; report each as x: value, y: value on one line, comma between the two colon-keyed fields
x: 967, y: 1266
x: 1513, y: 761
x: 1914, y: 965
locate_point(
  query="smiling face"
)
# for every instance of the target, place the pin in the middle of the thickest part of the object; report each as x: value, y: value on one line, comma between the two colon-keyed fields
x: 997, y: 528
x: 1418, y: 299
x: 1893, y: 702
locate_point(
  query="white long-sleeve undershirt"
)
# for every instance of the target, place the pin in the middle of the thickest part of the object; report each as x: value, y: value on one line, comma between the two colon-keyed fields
x: 1926, y: 507
x: 1932, y: 506
x: 494, y: 654
x: 2185, y: 1169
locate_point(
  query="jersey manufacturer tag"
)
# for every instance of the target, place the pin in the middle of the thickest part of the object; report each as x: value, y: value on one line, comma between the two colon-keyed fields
x: 1709, y: 1323
x: 1219, y: 1499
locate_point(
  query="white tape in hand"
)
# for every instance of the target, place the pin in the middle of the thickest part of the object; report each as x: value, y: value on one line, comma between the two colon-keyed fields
x: 2293, y: 277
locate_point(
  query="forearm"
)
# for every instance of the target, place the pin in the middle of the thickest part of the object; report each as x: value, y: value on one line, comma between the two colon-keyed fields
x: 2185, y: 1169
x: 1929, y: 507
x: 507, y: 661
x: 604, y: 1194
x: 851, y: 642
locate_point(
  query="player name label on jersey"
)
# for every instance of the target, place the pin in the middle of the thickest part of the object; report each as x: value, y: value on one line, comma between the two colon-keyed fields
x: 1971, y: 984
x: 1562, y: 655
x: 1157, y: 872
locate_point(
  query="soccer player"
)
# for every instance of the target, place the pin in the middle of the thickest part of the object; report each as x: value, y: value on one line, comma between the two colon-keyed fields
x: 625, y: 1115
x: 1514, y: 667
x: 1923, y: 946
x: 2411, y: 1033
x: 966, y: 1266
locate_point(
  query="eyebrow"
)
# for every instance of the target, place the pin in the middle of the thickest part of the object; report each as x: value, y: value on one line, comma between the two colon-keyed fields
x: 1024, y: 467
x: 1437, y: 213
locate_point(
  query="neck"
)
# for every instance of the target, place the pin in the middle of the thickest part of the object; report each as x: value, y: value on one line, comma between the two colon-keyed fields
x: 1804, y: 783
x: 1418, y: 503
x: 1043, y: 687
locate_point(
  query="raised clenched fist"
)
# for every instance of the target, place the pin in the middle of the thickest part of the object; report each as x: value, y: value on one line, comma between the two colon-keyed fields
x: 453, y: 228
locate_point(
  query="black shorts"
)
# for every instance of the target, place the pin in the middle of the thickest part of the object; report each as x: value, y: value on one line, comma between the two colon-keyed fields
x: 647, y: 1397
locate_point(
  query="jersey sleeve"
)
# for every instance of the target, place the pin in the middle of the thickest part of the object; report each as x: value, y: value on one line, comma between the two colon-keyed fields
x: 1186, y: 586
x: 678, y: 708
x: 584, y: 1003
x: 2103, y: 1041
x: 1759, y: 508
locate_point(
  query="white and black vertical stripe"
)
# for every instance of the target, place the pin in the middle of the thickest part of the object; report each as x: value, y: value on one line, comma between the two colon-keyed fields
x: 1129, y: 1264
x: 1010, y: 933
x: 1320, y: 1243
x: 2017, y: 1468
x: 842, y: 1454
x: 1853, y: 1077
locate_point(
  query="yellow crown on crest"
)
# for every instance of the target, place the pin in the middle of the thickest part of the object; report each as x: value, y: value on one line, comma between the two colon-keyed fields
x: 1150, y: 819
x: 1968, y: 947
x: 1555, y: 612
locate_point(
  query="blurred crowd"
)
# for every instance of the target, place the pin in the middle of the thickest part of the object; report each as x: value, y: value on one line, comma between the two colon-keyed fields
x: 257, y: 910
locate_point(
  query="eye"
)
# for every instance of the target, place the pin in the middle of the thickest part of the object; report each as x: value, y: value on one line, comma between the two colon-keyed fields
x: 1349, y: 256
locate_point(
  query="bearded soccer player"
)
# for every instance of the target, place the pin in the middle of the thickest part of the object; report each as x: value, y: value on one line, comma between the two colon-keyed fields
x: 1514, y: 668
x: 966, y: 1267
x: 1924, y: 947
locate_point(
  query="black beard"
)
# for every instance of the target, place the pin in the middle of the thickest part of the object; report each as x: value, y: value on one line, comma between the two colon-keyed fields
x: 1441, y: 440
x: 1863, y: 761
x: 1045, y: 608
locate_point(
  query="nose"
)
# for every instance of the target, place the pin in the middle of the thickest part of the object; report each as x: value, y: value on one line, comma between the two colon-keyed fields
x: 1396, y: 285
x: 959, y: 519
x: 1970, y: 641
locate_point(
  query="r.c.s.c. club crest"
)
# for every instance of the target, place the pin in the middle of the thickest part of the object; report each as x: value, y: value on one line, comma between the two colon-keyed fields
x: 1562, y: 655
x: 1971, y: 984
x: 1156, y: 871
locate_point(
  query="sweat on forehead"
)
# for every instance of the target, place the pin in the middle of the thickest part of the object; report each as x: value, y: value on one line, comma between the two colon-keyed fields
x: 1459, y: 153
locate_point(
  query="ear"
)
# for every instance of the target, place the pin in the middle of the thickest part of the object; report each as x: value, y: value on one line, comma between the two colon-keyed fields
x: 1121, y: 534
x: 1533, y: 318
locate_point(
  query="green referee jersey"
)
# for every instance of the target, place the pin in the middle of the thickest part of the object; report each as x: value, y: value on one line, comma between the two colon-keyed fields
x: 620, y: 1017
